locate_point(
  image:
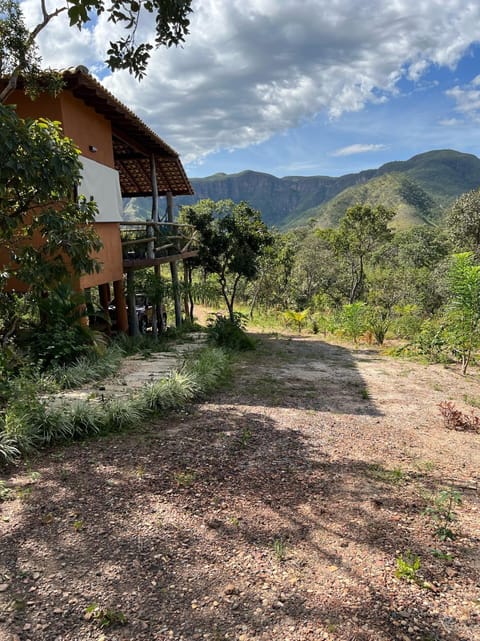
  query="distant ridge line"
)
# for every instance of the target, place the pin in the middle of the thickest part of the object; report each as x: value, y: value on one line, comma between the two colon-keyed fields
x: 419, y: 189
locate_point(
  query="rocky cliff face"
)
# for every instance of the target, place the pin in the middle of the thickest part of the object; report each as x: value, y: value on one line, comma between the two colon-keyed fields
x: 439, y: 176
x: 277, y: 198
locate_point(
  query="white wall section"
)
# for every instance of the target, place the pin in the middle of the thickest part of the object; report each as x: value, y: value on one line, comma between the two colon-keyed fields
x: 103, y: 185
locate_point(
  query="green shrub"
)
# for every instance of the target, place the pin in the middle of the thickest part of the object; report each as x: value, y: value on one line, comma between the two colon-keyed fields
x: 431, y: 342
x: 408, y: 566
x: 296, y: 318
x: 208, y: 368
x: 59, y: 336
x: 9, y: 450
x: 378, y: 322
x: 24, y: 421
x: 120, y: 414
x: 169, y: 393
x: 144, y: 344
x: 229, y: 334
x: 84, y: 417
x: 354, y: 320
x: 57, y: 345
x: 407, y: 321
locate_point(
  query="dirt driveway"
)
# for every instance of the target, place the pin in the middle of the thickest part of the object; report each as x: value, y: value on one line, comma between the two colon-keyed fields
x: 278, y: 511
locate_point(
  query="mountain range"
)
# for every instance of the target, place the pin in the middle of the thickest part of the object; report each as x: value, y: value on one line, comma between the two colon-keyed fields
x: 419, y: 190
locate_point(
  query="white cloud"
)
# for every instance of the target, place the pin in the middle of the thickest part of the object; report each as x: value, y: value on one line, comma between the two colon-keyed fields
x: 253, y: 68
x: 449, y: 122
x: 62, y: 46
x: 467, y: 99
x: 358, y: 149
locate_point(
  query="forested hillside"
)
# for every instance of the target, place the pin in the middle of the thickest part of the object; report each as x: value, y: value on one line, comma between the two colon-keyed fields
x: 419, y: 190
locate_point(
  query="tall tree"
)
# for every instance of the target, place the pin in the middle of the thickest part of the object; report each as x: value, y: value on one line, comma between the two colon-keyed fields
x: 232, y: 238
x: 361, y: 231
x: 272, y: 286
x: 320, y: 270
x: 419, y: 246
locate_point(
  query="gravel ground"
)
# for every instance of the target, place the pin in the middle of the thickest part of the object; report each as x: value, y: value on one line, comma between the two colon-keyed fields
x: 276, y: 511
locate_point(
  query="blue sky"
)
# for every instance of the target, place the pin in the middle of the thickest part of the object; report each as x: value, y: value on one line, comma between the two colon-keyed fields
x: 299, y: 87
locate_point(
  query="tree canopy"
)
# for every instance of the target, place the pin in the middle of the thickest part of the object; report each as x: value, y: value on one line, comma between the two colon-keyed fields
x: 171, y: 26
x: 361, y: 231
x: 232, y: 238
x: 463, y: 222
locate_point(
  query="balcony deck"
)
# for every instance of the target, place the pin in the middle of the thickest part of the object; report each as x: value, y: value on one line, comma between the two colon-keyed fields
x: 148, y: 244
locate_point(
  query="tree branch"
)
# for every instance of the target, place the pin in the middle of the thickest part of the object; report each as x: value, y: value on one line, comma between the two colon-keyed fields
x: 13, y: 80
x: 41, y: 25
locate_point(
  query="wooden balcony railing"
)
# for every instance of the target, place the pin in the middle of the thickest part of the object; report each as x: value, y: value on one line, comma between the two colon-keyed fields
x: 146, y: 243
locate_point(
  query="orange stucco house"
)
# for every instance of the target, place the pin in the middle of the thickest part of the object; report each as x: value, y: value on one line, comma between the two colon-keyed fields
x: 121, y: 158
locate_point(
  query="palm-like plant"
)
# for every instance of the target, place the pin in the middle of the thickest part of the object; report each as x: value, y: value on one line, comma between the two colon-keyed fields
x: 297, y: 318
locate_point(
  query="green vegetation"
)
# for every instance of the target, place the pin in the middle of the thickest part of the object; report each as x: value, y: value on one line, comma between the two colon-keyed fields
x: 396, y: 191
x: 245, y: 437
x: 232, y: 238
x: 184, y: 479
x: 379, y: 473
x: 229, y: 333
x: 32, y: 421
x: 280, y: 549
x: 419, y: 190
x: 407, y: 567
x: 6, y: 493
x: 443, y: 514
x: 463, y: 307
x: 444, y: 556
x: 296, y: 318
x: 463, y: 222
x: 353, y: 320
x: 38, y: 167
x: 105, y: 617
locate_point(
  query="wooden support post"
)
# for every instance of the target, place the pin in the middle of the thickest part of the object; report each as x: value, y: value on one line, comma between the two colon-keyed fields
x: 174, y: 269
x: 176, y: 294
x: 151, y: 228
x: 159, y: 308
x: 186, y: 297
x: 121, y: 305
x: 132, y: 311
x: 151, y: 231
x: 104, y: 295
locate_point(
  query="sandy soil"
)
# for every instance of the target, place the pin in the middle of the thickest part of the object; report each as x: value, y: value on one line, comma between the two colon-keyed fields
x: 276, y: 511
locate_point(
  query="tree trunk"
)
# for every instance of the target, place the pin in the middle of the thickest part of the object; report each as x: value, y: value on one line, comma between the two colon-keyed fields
x: 357, y: 282
x: 176, y: 294
x: 223, y: 285
x: 174, y: 268
x: 465, y: 362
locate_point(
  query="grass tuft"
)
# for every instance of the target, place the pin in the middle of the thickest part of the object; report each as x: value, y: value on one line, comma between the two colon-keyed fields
x: 88, y: 368
x: 31, y: 422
